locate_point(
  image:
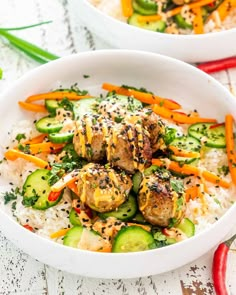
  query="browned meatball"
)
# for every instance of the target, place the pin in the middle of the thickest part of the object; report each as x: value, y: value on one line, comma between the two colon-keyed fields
x: 155, y: 127
x: 89, y: 141
x: 125, y: 145
x: 130, y: 147
x: 158, y: 201
x: 102, y: 189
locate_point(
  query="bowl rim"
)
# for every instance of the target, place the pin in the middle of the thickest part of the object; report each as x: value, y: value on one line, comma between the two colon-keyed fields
x: 83, y: 55
x: 190, y: 37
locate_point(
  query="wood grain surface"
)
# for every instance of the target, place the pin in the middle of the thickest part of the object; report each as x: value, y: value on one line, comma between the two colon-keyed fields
x: 21, y: 274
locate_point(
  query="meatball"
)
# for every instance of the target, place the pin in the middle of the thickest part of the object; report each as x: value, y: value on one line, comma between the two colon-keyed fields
x: 89, y: 141
x: 158, y: 201
x: 130, y: 148
x: 155, y: 127
x: 102, y: 189
x: 125, y: 145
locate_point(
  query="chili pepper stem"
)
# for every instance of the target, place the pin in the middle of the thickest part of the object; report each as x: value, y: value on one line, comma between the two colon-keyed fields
x: 229, y: 242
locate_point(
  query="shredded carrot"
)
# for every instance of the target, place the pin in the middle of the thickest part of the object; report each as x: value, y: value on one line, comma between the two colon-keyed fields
x: 127, y: 7
x: 198, y: 26
x: 64, y: 181
x: 182, y: 153
x: 13, y: 154
x: 229, y: 134
x: 44, y: 147
x: 191, y: 193
x: 59, y: 233
x: 32, y: 107
x: 142, y: 96
x: 56, y: 95
x: 173, y: 12
x: 191, y: 170
x: 73, y: 186
x: 37, y: 139
x: 179, y: 117
x: 224, y: 8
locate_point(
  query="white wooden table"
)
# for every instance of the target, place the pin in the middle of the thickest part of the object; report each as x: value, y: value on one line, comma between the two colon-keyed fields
x: 21, y: 274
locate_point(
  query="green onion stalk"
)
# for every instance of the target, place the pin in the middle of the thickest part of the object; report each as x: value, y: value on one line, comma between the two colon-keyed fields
x: 36, y: 53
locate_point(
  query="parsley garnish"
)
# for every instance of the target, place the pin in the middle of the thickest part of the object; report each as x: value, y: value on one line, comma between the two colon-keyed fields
x: 20, y: 136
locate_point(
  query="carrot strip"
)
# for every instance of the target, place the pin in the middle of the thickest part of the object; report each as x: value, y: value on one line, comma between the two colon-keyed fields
x: 32, y: 107
x: 73, y: 186
x: 56, y: 95
x: 37, y: 139
x: 191, y: 193
x: 178, y: 117
x: 142, y: 96
x: 64, y: 181
x: 229, y: 134
x: 224, y: 8
x: 127, y: 7
x: 45, y: 147
x: 13, y: 154
x: 173, y: 12
x: 191, y: 170
x: 198, y: 21
x: 59, y: 233
x: 181, y: 153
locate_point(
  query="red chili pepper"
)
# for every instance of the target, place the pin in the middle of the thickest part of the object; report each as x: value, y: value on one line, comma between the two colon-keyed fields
x: 87, y: 210
x: 216, y: 125
x: 219, y: 266
x: 218, y: 65
x: 28, y: 227
x: 53, y: 196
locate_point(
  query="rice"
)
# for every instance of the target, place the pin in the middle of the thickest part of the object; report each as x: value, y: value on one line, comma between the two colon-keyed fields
x: 202, y: 211
x: 113, y: 9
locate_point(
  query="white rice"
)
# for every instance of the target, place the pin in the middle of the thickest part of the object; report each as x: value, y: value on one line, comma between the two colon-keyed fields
x: 113, y: 8
x: 203, y: 212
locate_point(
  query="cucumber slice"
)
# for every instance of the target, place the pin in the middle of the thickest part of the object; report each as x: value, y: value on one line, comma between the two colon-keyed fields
x: 73, y: 236
x: 211, y: 137
x: 133, y: 239
x: 147, y: 4
x: 124, y: 212
x: 48, y: 125
x: 139, y: 218
x: 74, y: 217
x: 186, y: 143
x: 85, y: 106
x: 181, y: 22
x: 157, y: 26
x: 137, y: 179
x: 91, y: 238
x: 187, y: 227
x: 128, y: 103
x: 36, y: 190
x: 65, y: 137
x: 51, y: 105
x: 142, y: 10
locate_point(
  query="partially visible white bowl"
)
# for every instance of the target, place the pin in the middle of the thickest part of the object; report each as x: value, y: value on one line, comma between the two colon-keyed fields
x: 189, y: 48
x: 166, y: 77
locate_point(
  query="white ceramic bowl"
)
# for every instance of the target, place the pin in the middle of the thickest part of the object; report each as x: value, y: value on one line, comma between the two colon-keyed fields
x: 163, y: 75
x: 189, y: 48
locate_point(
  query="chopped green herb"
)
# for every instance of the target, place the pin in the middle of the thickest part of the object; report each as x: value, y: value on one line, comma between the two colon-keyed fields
x: 177, y: 185
x: 20, y: 136
x: 9, y: 196
x: 86, y: 76
x: 1, y: 73
x: 24, y: 148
